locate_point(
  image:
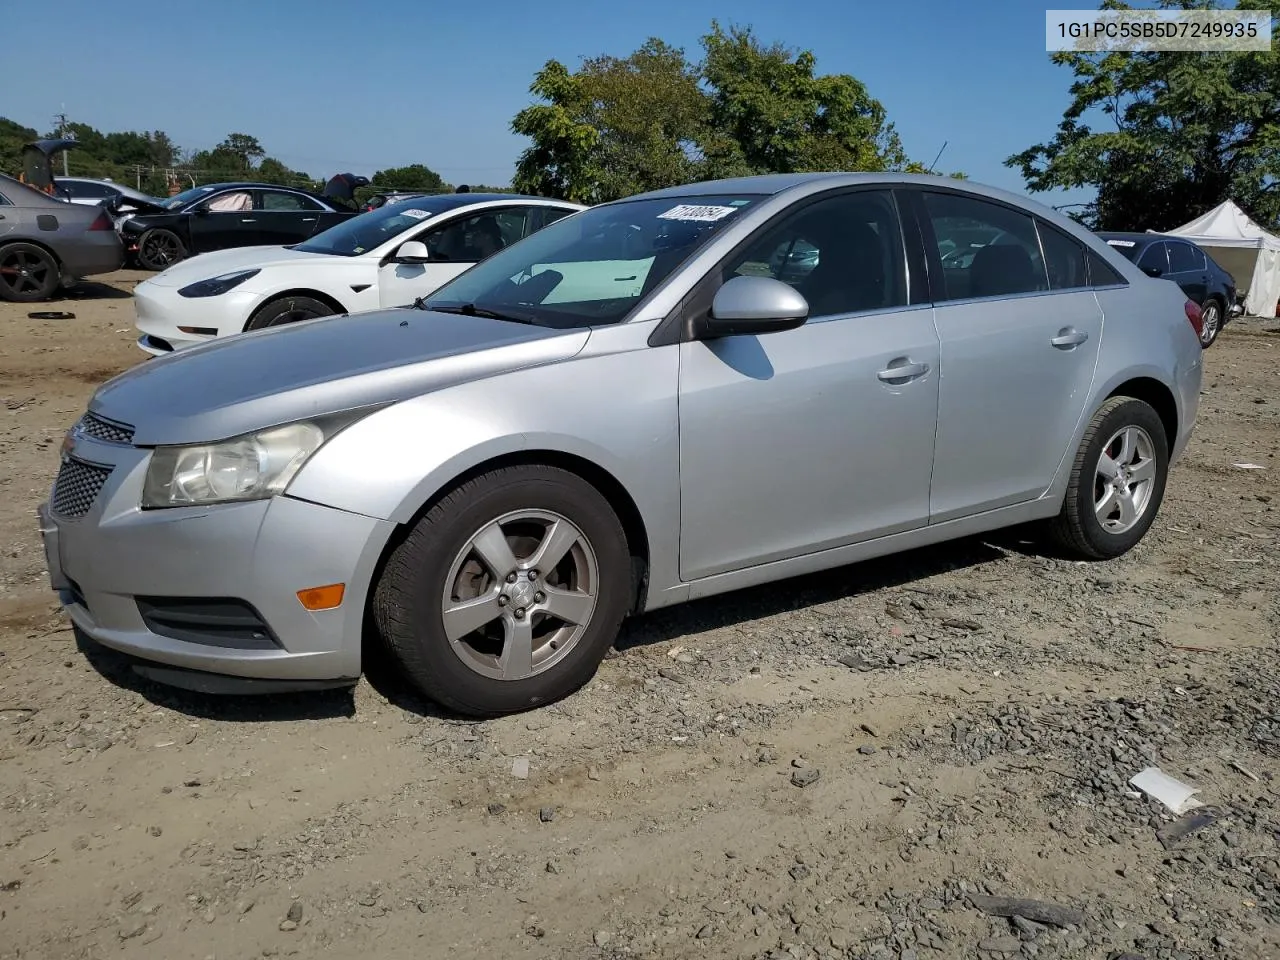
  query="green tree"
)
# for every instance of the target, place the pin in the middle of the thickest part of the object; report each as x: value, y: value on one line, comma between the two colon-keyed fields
x: 416, y: 176
x: 1182, y: 131
x: 245, y: 148
x: 619, y: 126
x: 771, y: 113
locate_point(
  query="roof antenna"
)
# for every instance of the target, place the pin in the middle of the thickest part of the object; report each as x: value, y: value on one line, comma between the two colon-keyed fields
x: 935, y: 159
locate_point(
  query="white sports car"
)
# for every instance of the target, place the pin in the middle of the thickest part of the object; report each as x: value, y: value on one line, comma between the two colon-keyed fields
x: 384, y: 258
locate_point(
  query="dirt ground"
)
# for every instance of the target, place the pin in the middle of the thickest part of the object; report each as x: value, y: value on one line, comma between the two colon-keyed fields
x: 839, y: 766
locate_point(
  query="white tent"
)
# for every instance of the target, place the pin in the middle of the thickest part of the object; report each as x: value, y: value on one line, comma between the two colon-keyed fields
x: 1244, y: 250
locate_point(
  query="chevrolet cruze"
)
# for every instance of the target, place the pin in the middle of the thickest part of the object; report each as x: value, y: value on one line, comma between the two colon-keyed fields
x: 690, y: 391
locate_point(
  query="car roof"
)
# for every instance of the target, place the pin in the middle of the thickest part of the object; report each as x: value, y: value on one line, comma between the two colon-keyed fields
x: 444, y: 202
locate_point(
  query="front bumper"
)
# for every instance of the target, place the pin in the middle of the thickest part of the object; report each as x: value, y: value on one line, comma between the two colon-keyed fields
x: 162, y: 315
x: 113, y: 564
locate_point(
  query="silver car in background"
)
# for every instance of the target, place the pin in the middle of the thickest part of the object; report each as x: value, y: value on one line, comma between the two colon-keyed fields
x: 624, y: 411
x: 45, y: 242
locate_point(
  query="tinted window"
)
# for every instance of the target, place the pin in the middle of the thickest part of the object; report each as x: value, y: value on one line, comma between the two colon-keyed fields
x: 358, y: 235
x: 550, y: 215
x: 1154, y: 257
x: 280, y: 201
x: 88, y: 191
x: 594, y: 267
x: 843, y: 254
x: 1183, y: 258
x: 1063, y: 257
x: 4, y: 201
x: 1101, y: 273
x: 472, y: 239
x: 987, y: 250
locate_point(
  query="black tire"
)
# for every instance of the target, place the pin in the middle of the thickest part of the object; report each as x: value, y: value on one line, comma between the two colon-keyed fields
x: 1210, y: 330
x: 284, y: 310
x: 1077, y: 528
x: 159, y: 248
x: 408, y: 598
x: 27, y: 273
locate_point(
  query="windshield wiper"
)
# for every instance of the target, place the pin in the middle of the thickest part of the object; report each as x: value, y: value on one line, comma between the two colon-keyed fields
x: 471, y: 310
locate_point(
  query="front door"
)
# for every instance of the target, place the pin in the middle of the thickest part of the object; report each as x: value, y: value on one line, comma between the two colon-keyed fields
x: 811, y: 438
x: 226, y: 219
x: 453, y: 247
x: 1019, y: 335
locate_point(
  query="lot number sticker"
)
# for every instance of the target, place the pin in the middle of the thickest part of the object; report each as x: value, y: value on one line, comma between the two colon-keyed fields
x: 691, y: 211
x: 416, y: 214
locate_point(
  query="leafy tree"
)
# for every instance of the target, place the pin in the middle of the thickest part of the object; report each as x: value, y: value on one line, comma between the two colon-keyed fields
x: 246, y: 149
x: 1187, y: 131
x: 416, y: 176
x: 619, y: 126
x: 770, y: 112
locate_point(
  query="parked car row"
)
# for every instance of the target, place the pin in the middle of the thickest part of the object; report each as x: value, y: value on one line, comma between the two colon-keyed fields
x: 682, y: 393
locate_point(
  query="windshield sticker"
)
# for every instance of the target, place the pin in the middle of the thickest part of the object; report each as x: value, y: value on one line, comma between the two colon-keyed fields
x: 1121, y: 243
x: 416, y: 214
x: 702, y: 214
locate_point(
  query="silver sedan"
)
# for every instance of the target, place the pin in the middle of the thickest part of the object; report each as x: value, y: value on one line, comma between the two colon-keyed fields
x: 687, y: 392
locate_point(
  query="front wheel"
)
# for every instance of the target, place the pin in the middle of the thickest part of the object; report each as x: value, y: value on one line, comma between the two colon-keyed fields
x: 508, y: 592
x: 1210, y: 323
x: 159, y: 248
x: 1117, y: 481
x: 288, y: 310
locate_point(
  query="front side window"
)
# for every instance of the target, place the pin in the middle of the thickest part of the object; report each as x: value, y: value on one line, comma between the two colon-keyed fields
x: 843, y: 254
x: 233, y: 201
x: 594, y: 267
x: 985, y: 249
x: 1063, y: 258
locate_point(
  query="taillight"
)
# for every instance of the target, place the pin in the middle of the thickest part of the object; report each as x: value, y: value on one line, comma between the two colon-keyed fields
x: 103, y: 222
x: 1194, y: 316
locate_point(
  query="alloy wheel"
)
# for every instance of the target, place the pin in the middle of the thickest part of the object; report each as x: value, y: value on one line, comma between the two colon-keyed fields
x: 24, y: 273
x: 520, y: 594
x: 1124, y: 479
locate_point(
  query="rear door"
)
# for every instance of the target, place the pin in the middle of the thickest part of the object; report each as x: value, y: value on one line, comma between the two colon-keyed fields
x: 1188, y: 269
x: 9, y: 215
x: 285, y: 217
x: 1019, y: 334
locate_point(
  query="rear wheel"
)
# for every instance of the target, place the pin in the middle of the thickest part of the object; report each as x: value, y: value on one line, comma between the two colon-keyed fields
x: 1117, y: 481
x: 159, y: 248
x: 27, y: 273
x: 1210, y: 322
x: 288, y: 310
x: 508, y: 593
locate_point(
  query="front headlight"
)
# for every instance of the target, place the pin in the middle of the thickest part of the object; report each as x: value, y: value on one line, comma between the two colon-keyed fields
x: 216, y: 286
x: 256, y: 466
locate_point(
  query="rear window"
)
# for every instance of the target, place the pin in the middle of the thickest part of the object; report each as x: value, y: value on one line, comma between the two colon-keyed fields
x: 1129, y: 249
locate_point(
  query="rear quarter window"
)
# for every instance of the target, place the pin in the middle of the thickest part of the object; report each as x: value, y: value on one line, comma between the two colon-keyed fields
x: 1101, y: 273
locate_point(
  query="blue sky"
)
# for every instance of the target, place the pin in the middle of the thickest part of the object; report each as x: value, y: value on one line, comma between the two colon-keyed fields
x: 329, y: 87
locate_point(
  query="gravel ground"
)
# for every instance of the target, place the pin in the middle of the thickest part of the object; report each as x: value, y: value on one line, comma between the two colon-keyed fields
x: 854, y: 765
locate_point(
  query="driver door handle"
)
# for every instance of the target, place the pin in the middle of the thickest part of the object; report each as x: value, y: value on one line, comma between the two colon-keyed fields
x: 248, y: 220
x: 904, y: 371
x: 1069, y: 337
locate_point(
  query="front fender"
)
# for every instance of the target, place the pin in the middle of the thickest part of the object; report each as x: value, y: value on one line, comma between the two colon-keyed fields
x: 615, y: 408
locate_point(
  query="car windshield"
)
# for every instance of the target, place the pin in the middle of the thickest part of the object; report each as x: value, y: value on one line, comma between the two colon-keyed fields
x: 1128, y: 249
x: 372, y: 229
x: 179, y: 200
x: 591, y: 268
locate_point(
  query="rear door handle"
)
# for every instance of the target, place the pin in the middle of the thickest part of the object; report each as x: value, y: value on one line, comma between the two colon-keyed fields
x: 308, y: 219
x: 249, y: 220
x: 1069, y: 337
x: 903, y: 369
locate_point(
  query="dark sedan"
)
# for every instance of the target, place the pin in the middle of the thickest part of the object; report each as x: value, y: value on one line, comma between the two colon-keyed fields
x: 45, y: 241
x: 1187, y: 265
x: 222, y: 215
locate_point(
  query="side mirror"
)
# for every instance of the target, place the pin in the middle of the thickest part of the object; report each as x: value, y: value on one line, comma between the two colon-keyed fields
x: 1153, y: 271
x: 754, y: 305
x: 412, y: 251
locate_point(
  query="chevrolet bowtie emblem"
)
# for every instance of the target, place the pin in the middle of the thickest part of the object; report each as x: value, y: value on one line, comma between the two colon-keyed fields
x: 69, y: 441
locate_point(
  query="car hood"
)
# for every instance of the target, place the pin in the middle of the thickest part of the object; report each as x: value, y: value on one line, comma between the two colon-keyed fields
x: 205, y: 266
x: 250, y: 381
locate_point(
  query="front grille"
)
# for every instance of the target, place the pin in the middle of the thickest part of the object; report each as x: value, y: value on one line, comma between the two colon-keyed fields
x: 77, y: 486
x: 213, y: 621
x: 100, y: 428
